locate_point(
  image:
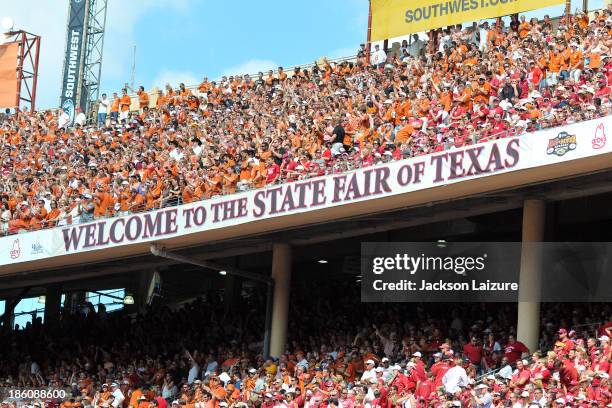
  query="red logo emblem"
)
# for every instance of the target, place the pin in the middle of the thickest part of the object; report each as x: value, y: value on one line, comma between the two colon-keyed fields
x: 15, y: 251
x: 599, y: 140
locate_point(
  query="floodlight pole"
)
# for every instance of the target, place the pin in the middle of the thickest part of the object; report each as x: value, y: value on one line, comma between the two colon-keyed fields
x: 230, y: 270
x: 369, y: 33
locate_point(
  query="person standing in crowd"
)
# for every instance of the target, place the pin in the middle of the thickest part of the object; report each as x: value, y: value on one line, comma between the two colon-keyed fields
x: 124, y: 105
x: 114, y: 110
x: 103, y: 105
x: 378, y: 57
x: 80, y: 117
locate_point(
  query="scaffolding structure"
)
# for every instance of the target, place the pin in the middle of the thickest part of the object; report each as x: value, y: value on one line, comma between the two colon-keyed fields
x: 83, y: 55
x: 95, y: 24
x: 27, y: 67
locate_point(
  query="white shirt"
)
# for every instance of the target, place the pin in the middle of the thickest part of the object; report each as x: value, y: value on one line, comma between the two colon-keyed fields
x: 212, y: 366
x: 6, y: 216
x: 486, y: 401
x: 367, y: 374
x: 80, y: 119
x: 176, y: 154
x: 454, y: 378
x: 119, y: 397
x: 414, y: 49
x: 379, y: 57
x: 193, y: 373
x: 103, y: 105
x: 484, y: 33
x: 63, y: 120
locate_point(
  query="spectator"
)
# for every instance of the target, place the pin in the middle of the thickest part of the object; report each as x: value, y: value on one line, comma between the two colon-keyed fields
x: 103, y: 105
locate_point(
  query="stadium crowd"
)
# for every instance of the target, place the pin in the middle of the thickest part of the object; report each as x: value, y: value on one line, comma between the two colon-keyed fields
x: 463, y: 86
x: 340, y: 353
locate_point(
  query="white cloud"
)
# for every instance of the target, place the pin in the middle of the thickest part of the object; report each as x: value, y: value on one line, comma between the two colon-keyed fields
x: 251, y: 67
x: 174, y: 78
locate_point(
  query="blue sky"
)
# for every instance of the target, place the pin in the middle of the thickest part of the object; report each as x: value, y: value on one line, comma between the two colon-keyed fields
x: 183, y: 40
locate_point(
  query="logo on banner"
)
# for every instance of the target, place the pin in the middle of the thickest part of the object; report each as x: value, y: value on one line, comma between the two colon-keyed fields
x: 68, y: 107
x: 599, y: 140
x: 15, y: 250
x: 563, y: 143
x: 37, y: 248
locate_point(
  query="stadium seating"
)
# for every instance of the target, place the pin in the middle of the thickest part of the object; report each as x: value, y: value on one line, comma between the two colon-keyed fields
x: 467, y: 86
x: 199, y: 354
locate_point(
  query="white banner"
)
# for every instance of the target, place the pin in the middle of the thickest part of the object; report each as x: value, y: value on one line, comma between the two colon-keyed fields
x: 541, y: 148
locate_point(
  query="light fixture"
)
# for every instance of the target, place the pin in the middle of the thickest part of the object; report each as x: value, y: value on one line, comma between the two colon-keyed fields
x: 441, y: 243
x: 223, y: 273
x: 322, y: 261
x: 42, y: 299
x: 7, y: 23
x: 128, y: 300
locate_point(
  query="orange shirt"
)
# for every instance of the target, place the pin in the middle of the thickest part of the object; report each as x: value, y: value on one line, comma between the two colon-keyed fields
x: 403, y: 135
x: 125, y: 103
x: 115, y: 105
x: 576, y: 58
x: 524, y: 29
x: 143, y: 99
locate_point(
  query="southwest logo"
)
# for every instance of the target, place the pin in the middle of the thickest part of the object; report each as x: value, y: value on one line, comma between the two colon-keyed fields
x: 563, y: 143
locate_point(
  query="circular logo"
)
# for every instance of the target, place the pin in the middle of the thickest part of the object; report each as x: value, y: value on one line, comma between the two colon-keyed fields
x: 68, y: 107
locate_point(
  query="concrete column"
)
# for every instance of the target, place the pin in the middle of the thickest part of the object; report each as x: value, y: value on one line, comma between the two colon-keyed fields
x: 53, y: 303
x: 281, y: 273
x: 530, y: 282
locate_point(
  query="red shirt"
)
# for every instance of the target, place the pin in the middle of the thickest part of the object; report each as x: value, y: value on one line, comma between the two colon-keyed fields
x: 473, y: 353
x: 439, y: 369
x: 514, y: 351
x: 272, y: 172
x: 425, y: 389
x: 568, y: 373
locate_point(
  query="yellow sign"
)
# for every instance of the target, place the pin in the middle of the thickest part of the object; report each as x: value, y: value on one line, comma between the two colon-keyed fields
x: 393, y: 18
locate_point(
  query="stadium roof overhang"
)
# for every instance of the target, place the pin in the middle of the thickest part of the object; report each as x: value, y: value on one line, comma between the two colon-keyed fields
x: 432, y: 207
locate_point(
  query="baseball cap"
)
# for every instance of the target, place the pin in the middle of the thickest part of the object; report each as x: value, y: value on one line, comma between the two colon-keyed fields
x: 370, y: 362
x: 417, y: 354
